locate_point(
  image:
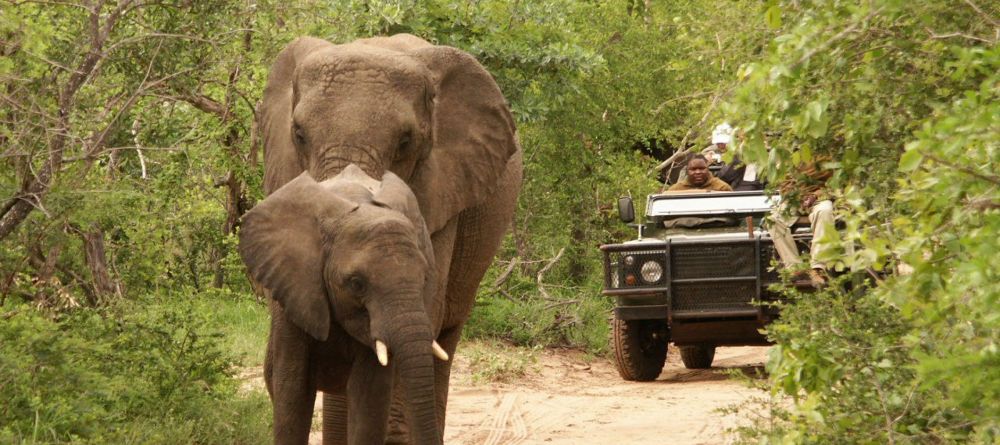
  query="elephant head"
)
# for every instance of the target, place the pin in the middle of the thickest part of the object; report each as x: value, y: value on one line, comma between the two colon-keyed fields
x: 355, y: 251
x: 430, y: 114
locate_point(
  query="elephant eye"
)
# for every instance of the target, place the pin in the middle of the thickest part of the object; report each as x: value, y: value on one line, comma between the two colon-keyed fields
x: 300, y: 135
x: 356, y: 284
x: 404, y: 142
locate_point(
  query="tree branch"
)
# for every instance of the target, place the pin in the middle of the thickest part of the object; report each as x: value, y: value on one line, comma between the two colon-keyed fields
x: 506, y: 273
x: 19, y: 206
x: 986, y: 16
x: 541, y: 273
x: 205, y: 103
x: 994, y: 179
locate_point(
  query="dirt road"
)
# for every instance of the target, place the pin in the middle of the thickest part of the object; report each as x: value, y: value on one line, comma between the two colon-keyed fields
x: 568, y: 401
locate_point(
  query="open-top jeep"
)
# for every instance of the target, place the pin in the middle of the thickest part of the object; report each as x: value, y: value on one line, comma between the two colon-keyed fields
x: 694, y: 277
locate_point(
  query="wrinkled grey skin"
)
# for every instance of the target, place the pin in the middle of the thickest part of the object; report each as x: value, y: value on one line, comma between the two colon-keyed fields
x: 433, y: 116
x: 360, y: 247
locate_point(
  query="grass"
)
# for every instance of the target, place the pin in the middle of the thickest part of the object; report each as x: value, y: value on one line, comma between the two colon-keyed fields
x: 496, y: 361
x: 244, y: 324
x: 578, y: 319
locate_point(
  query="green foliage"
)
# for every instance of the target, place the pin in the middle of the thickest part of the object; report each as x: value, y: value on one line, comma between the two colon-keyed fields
x: 242, y: 322
x: 491, y: 361
x: 903, y: 99
x: 157, y: 160
x: 123, y: 375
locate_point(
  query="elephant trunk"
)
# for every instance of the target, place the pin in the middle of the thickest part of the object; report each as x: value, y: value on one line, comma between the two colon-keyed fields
x: 410, y: 340
x: 332, y: 160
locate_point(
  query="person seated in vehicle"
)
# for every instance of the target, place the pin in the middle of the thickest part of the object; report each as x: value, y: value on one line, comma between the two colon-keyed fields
x: 815, y: 202
x: 673, y: 170
x: 722, y: 136
x: 739, y: 175
x: 699, y: 178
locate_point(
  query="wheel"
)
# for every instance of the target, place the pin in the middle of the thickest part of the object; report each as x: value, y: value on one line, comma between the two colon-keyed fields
x: 697, y: 357
x: 640, y: 348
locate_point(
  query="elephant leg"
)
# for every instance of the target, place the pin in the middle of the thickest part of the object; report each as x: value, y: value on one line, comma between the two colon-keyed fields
x: 292, y: 389
x: 480, y: 231
x: 369, y: 393
x: 442, y: 371
x: 478, y: 236
x: 334, y: 419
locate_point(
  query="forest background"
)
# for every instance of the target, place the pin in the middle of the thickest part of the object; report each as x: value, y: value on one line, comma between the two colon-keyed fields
x: 128, y: 154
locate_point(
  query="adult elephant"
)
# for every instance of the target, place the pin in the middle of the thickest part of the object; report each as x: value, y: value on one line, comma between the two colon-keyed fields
x: 430, y: 114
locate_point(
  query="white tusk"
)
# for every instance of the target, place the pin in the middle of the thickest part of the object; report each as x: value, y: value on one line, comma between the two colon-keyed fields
x: 439, y: 351
x: 382, y: 352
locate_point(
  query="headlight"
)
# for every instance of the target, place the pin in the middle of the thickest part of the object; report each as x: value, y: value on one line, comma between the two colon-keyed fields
x: 651, y: 272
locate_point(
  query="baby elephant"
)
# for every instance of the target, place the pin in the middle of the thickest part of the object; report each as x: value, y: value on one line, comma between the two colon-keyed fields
x: 354, y: 250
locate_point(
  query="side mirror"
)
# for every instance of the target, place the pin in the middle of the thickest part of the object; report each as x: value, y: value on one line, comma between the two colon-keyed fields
x: 625, y: 209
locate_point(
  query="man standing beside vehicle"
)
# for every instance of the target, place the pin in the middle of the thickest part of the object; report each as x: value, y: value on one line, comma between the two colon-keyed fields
x: 699, y: 178
x: 815, y: 202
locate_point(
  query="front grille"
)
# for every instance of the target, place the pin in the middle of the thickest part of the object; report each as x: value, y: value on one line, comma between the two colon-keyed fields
x: 768, y: 275
x: 697, y: 276
x: 708, y: 296
x: 712, y: 260
x: 719, y: 276
x: 618, y: 267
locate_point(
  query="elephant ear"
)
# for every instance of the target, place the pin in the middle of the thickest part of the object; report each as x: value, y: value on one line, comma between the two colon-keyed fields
x: 473, y: 137
x: 275, y: 113
x: 281, y: 242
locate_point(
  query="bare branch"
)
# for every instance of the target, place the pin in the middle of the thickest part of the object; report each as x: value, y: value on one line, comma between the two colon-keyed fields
x: 683, y: 150
x: 837, y: 37
x: 982, y: 204
x: 541, y: 273
x: 990, y: 178
x: 937, y: 36
x: 19, y: 206
x: 205, y: 103
x: 986, y: 16
x: 506, y: 273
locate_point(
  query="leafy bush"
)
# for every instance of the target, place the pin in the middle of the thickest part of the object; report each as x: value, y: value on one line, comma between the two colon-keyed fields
x: 495, y: 362
x: 903, y: 98
x: 142, y: 375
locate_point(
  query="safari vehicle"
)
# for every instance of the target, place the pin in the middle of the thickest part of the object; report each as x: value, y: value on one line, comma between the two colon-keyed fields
x: 693, y: 277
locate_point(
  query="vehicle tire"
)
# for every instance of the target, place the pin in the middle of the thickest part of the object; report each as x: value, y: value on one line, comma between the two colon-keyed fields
x: 640, y: 348
x: 697, y: 357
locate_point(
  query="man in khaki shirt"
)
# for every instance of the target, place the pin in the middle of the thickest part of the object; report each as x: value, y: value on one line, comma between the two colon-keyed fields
x: 699, y: 178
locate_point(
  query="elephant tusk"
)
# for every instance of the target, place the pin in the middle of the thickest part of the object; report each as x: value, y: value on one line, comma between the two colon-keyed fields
x: 439, y: 351
x: 382, y: 352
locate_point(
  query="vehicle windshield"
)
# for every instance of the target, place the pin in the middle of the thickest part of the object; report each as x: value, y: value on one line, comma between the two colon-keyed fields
x: 705, y: 204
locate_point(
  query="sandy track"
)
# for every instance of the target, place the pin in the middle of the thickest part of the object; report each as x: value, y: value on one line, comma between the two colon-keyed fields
x: 568, y: 401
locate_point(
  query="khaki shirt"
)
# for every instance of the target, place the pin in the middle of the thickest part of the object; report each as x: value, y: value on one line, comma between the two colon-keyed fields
x: 714, y: 184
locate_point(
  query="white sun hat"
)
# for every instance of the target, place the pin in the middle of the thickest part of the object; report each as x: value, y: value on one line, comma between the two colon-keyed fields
x: 723, y: 134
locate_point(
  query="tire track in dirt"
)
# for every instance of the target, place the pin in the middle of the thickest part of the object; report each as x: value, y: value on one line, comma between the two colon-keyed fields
x: 567, y: 401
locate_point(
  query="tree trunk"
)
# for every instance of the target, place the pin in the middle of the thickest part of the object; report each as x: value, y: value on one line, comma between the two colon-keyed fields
x: 93, y: 245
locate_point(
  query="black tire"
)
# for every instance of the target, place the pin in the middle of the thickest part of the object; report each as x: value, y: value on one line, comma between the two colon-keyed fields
x: 697, y: 357
x: 640, y: 348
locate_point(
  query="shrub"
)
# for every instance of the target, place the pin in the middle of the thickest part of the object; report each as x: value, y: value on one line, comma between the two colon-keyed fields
x: 148, y: 375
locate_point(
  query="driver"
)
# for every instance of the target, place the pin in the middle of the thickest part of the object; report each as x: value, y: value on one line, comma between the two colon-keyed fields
x: 699, y: 178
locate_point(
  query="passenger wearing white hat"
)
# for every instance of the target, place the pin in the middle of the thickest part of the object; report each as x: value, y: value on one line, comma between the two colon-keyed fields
x: 722, y: 136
